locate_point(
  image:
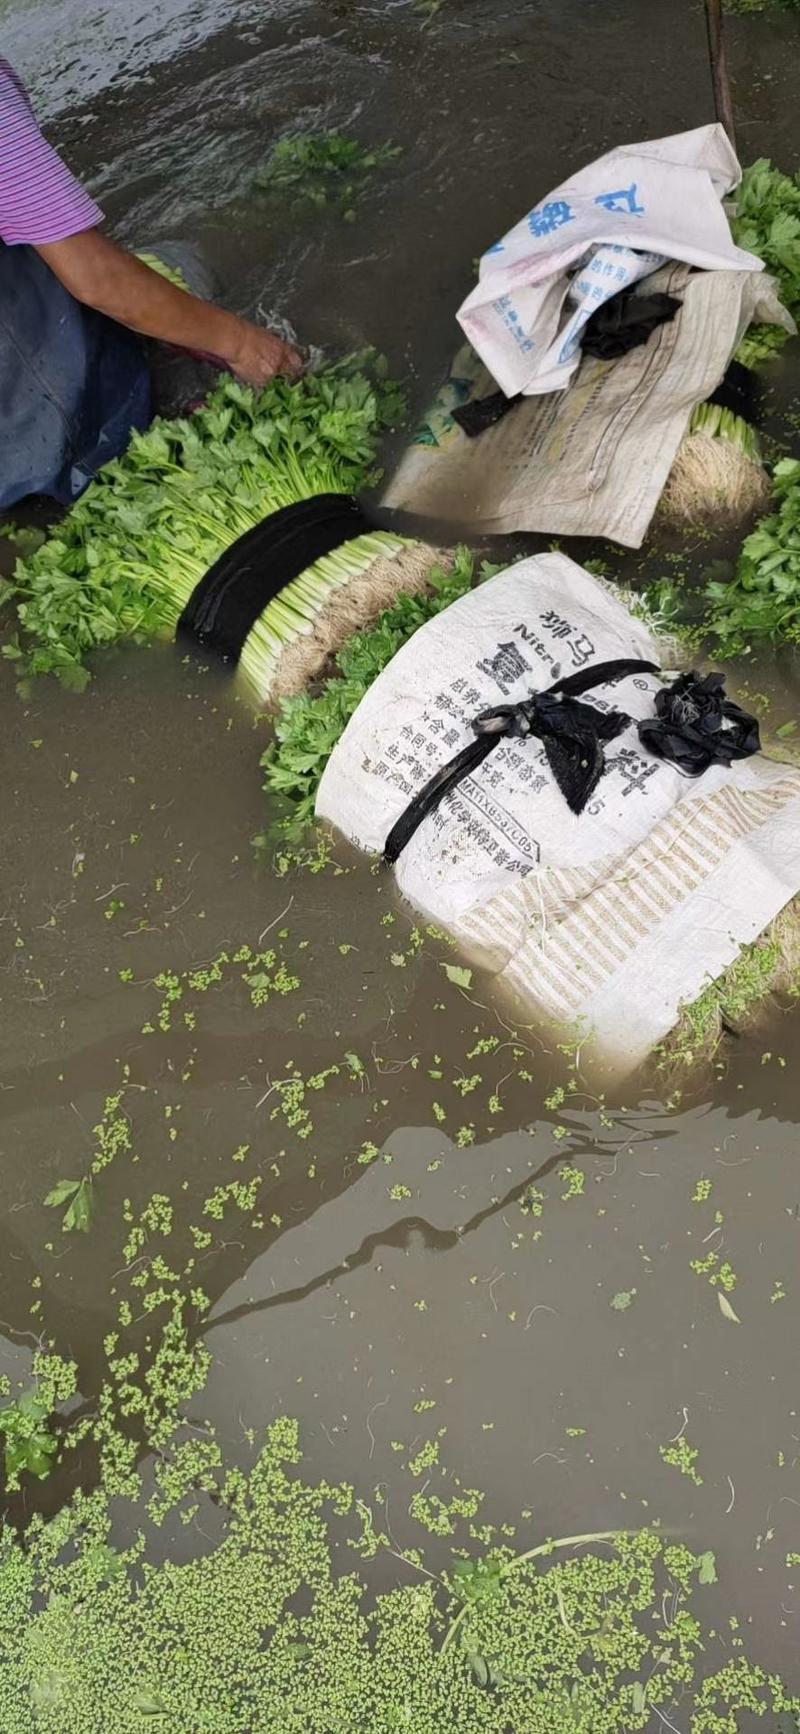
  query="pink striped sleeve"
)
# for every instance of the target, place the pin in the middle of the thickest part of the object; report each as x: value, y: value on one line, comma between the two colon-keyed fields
x: 40, y: 200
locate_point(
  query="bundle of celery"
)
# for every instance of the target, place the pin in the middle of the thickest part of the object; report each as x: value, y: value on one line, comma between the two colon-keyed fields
x: 717, y: 423
x: 767, y: 223
x: 760, y: 605
x: 129, y: 554
x: 718, y: 476
x: 311, y: 723
x: 341, y: 594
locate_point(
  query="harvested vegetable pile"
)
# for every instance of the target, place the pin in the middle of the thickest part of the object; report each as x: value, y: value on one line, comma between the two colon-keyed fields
x: 127, y: 557
x: 310, y: 724
x: 767, y: 223
x: 761, y: 603
x: 721, y: 424
x: 717, y: 478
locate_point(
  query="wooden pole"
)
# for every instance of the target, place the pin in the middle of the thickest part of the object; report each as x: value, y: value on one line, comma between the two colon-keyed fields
x: 723, y: 102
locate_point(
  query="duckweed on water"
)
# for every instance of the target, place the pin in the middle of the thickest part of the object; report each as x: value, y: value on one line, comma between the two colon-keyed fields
x: 680, y: 1455
x: 719, y: 1272
x: 272, y: 1631
x: 280, y: 1627
x: 99, y: 1641
x: 113, y: 1139
x: 265, y: 973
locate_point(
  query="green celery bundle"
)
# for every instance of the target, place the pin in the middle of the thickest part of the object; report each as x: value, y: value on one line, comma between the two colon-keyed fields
x: 311, y: 723
x: 721, y: 424
x: 767, y: 223
x: 761, y: 603
x: 126, y: 558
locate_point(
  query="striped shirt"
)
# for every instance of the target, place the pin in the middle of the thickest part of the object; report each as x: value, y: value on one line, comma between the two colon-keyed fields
x: 40, y: 201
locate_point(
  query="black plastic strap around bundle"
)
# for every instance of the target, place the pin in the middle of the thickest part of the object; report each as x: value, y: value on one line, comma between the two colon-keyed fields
x: 227, y: 602
x: 696, y: 726
x: 741, y: 391
x: 573, y: 736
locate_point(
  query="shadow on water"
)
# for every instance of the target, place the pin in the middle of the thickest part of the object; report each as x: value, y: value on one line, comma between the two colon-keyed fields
x: 562, y: 1339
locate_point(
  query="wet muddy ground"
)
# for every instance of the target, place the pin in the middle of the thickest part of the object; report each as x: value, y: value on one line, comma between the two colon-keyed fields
x: 563, y: 1338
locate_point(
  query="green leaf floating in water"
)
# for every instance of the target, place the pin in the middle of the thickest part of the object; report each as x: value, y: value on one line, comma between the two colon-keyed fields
x: 458, y: 976
x: 707, y: 1568
x: 149, y: 1704
x: 480, y: 1668
x: 29, y: 1444
x: 78, y: 1214
x: 63, y: 1190
x: 50, y: 1689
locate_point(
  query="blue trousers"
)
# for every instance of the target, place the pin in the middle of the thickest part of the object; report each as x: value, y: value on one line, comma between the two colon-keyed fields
x: 73, y: 384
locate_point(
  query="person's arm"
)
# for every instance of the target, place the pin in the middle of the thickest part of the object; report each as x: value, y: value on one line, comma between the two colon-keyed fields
x: 104, y: 276
x: 43, y: 206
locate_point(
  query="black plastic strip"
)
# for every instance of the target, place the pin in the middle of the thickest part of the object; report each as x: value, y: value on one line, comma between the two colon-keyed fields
x: 493, y: 726
x: 481, y: 413
x: 741, y: 391
x: 224, y: 607
x: 601, y: 674
x: 432, y: 795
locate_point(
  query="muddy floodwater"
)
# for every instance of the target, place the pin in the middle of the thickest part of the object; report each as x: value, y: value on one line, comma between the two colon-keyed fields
x: 560, y: 1337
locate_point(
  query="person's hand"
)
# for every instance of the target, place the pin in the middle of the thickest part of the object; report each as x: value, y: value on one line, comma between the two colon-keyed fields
x: 259, y: 356
x: 102, y: 275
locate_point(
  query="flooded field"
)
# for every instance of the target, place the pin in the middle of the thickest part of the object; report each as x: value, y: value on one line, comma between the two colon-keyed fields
x: 444, y: 1233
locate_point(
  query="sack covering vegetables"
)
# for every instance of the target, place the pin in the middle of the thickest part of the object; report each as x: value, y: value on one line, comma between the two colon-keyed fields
x: 599, y: 436
x: 607, y: 920
x: 127, y: 560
